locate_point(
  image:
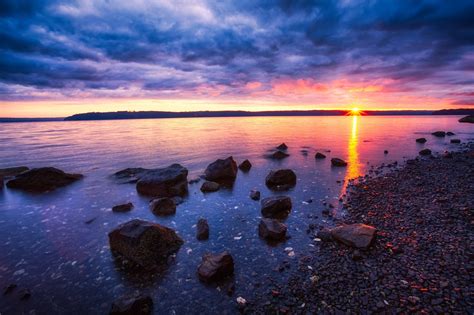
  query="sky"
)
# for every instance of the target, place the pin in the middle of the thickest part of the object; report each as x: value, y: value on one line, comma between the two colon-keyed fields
x: 59, y: 58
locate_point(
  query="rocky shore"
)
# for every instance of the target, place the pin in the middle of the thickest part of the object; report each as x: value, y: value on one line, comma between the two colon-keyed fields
x: 420, y: 262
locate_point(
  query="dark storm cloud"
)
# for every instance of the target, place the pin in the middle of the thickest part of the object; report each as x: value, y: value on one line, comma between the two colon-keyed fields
x: 183, y: 45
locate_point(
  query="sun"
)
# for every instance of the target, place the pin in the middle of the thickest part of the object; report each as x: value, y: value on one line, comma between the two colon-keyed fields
x: 355, y: 111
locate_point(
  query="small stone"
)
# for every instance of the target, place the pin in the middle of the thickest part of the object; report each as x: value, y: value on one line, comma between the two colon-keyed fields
x: 425, y: 152
x: 163, y: 206
x: 132, y: 305
x: 338, y: 162
x: 282, y: 146
x: 245, y: 166
x: 279, y: 155
x: 202, y: 230
x: 209, y: 186
x: 455, y: 141
x: 123, y: 207
x: 319, y: 155
x: 271, y: 229
x: 255, y: 195
x: 215, y: 267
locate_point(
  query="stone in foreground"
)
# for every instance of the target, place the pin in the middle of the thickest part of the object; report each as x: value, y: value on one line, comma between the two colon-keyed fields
x: 132, y: 305
x: 202, y: 230
x: 254, y: 194
x: 272, y: 230
x: 42, y: 179
x: 221, y: 170
x: 215, y: 267
x: 355, y: 235
x: 467, y: 119
x: 425, y: 152
x: 164, y: 182
x: 123, y: 207
x: 145, y: 243
x: 421, y: 140
x: 163, y: 206
x: 245, y: 166
x: 209, y: 186
x: 338, y: 162
x: 319, y: 156
x: 439, y: 134
x: 283, y: 179
x: 277, y: 207
x: 12, y: 171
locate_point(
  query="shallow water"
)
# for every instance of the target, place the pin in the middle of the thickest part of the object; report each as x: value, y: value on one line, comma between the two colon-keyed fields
x: 46, y: 246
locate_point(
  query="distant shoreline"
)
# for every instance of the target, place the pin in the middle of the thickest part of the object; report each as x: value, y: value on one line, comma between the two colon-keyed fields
x: 203, y: 114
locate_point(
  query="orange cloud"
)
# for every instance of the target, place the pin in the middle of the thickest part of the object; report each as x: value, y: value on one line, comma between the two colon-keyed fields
x: 253, y: 85
x: 300, y: 86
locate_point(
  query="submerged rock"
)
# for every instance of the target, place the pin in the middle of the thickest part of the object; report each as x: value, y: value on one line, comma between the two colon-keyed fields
x: 215, y: 267
x: 209, y: 186
x: 425, y: 152
x: 221, y: 170
x: 271, y: 229
x: 282, y: 146
x: 439, y: 134
x: 455, y: 140
x: 283, y: 179
x: 421, y: 140
x: 338, y: 162
x: 123, y: 207
x: 319, y: 155
x: 202, y: 232
x: 450, y: 133
x: 163, y: 206
x: 254, y: 194
x: 277, y: 207
x: 130, y: 175
x: 164, y: 182
x: 279, y: 155
x: 467, y: 119
x: 42, y: 179
x: 245, y: 166
x: 12, y: 171
x: 132, y: 305
x: 146, y: 243
x: 355, y: 235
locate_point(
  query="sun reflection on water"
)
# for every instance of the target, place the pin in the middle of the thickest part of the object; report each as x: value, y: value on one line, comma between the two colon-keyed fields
x: 353, y: 163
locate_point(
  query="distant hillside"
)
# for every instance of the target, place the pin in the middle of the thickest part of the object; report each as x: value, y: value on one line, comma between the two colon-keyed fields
x: 14, y: 120
x: 458, y: 111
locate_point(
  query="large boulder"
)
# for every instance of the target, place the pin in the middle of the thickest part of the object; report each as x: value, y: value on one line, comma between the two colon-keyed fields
x: 42, y: 179
x: 283, y: 179
x: 355, y: 235
x: 132, y: 305
x: 163, y: 206
x: 12, y: 171
x: 277, y: 207
x: 439, y: 134
x: 164, y: 182
x: 202, y: 232
x: 209, y: 186
x: 215, y: 267
x: 272, y: 230
x: 145, y: 243
x: 338, y: 162
x: 130, y: 175
x: 467, y: 119
x: 221, y: 170
x: 245, y: 166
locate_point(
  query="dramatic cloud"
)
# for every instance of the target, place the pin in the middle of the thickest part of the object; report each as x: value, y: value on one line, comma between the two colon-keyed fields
x: 322, y: 53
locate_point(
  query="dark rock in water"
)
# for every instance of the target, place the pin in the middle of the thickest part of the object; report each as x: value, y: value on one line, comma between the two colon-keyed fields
x: 255, y: 194
x: 215, y: 267
x: 271, y: 229
x: 319, y: 156
x: 245, y: 166
x: 324, y: 235
x: 12, y: 171
x: 132, y: 305
x: 221, y: 170
x: 123, y: 207
x: 450, y: 133
x: 202, y: 230
x: 439, y: 134
x: 209, y: 186
x: 9, y: 289
x: 24, y: 294
x: 355, y: 235
x: 338, y: 162
x: 147, y: 244
x: 421, y: 140
x: 467, y: 119
x: 279, y: 155
x: 385, y: 152
x: 42, y: 179
x: 283, y: 179
x: 277, y: 207
x: 130, y: 175
x: 455, y: 140
x: 164, y: 182
x: 304, y: 152
x: 425, y: 152
x: 282, y: 146
x: 163, y: 206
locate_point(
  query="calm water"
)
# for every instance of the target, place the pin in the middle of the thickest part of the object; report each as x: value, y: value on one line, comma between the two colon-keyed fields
x: 46, y: 246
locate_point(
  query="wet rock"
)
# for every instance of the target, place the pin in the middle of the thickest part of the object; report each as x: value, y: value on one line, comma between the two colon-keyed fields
x: 283, y: 179
x: 279, y: 155
x: 338, y: 162
x: 319, y: 156
x: 385, y: 152
x: 215, y: 267
x: 42, y: 179
x: 277, y: 207
x: 455, y: 141
x: 12, y: 171
x: 255, y: 194
x: 467, y: 119
x: 355, y: 235
x: 221, y: 170
x: 146, y: 243
x: 450, y: 133
x: 164, y: 182
x: 123, y: 207
x: 163, y: 206
x: 132, y: 305
x: 439, y: 134
x: 245, y: 166
x: 129, y: 175
x: 271, y: 229
x: 209, y: 186
x: 282, y: 146
x: 421, y: 140
x: 425, y: 152
x: 202, y: 230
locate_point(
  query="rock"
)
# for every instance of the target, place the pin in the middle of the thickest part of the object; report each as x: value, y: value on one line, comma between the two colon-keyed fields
x: 164, y: 182
x: 132, y: 305
x: 319, y: 156
x: 123, y: 207
x: 338, y: 162
x: 9, y: 289
x: 245, y: 166
x: 439, y: 134
x: 455, y: 140
x: 324, y: 235
x: 283, y: 179
x: 215, y: 267
x: 209, y: 186
x: 146, y: 243
x: 450, y: 133
x: 202, y: 230
x: 12, y: 171
x: 42, y: 179
x: 163, y: 206
x: 421, y: 140
x: 279, y: 155
x: 355, y: 235
x: 271, y: 229
x: 221, y: 170
x: 385, y: 152
x: 24, y: 294
x: 282, y: 146
x: 277, y: 207
x: 130, y: 175
x: 425, y: 152
x: 255, y: 194
x: 467, y: 119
